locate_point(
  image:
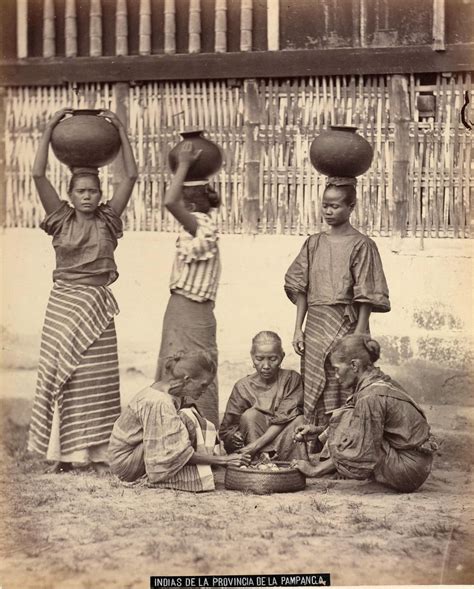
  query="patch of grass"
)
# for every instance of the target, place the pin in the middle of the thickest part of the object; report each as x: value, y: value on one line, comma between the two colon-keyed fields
x: 291, y: 509
x: 433, y: 530
x: 320, y: 505
x: 359, y: 517
x: 367, y: 546
x: 354, y: 504
x: 153, y: 549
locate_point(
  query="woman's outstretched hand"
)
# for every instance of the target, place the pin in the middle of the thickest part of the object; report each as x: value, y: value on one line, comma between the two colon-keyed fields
x: 309, y: 430
x: 238, y: 460
x: 298, y: 342
x: 58, y: 116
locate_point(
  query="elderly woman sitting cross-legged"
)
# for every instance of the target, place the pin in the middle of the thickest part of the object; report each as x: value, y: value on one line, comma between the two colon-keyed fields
x: 381, y: 433
x: 173, y: 445
x: 264, y: 408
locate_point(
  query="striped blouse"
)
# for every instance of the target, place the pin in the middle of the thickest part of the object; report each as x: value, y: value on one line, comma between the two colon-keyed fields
x: 197, y: 267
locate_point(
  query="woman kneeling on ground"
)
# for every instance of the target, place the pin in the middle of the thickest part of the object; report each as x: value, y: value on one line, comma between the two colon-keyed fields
x: 172, y: 445
x: 380, y: 433
x: 265, y: 407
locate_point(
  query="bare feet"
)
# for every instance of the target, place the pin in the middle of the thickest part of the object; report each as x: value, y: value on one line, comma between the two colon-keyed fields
x: 305, y: 467
x: 58, y: 467
x: 101, y: 467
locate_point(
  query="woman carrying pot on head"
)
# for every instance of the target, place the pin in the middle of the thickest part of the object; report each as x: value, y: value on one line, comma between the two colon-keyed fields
x: 264, y: 408
x: 159, y: 437
x: 189, y: 323
x: 336, y: 282
x: 77, y: 393
x: 381, y: 433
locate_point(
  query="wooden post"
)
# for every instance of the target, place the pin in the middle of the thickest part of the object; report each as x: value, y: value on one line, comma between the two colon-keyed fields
x: 170, y: 26
x: 70, y: 28
x: 439, y: 28
x: 49, y: 33
x: 356, y: 24
x: 121, y: 90
x: 145, y: 28
x: 3, y: 175
x: 400, y: 113
x: 95, y: 27
x: 221, y: 26
x: 251, y: 209
x: 246, y: 17
x: 121, y: 28
x: 273, y: 25
x: 194, y: 26
x: 363, y: 23
x: 22, y: 28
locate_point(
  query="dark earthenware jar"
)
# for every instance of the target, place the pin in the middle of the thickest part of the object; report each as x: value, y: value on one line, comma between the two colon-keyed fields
x: 85, y: 140
x: 209, y: 161
x: 340, y: 151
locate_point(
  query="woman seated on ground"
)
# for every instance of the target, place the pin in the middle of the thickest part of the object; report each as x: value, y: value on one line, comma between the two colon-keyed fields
x: 380, y: 433
x: 170, y: 444
x: 265, y: 408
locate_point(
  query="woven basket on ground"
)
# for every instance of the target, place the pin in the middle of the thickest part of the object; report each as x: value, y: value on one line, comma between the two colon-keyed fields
x: 263, y: 482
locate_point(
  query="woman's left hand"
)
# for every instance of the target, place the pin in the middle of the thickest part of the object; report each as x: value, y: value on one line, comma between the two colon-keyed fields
x: 112, y: 117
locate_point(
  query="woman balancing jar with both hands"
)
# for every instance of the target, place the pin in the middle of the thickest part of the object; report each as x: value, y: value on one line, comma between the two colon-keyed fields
x: 189, y: 323
x: 77, y: 393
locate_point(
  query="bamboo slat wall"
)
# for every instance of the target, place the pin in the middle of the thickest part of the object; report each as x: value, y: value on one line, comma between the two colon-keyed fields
x: 291, y: 113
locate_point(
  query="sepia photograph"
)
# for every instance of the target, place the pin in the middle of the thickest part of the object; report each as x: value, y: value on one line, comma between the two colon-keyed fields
x: 236, y: 294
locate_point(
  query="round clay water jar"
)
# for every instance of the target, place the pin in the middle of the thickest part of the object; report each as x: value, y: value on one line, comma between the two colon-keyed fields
x: 340, y: 151
x: 85, y: 140
x: 207, y: 164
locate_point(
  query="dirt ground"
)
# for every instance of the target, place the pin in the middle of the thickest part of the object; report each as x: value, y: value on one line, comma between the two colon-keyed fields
x: 86, y: 531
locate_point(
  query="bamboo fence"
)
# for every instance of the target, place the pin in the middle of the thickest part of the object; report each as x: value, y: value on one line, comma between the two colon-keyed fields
x: 291, y: 113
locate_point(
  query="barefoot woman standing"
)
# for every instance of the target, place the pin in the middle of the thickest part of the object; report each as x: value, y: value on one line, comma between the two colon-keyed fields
x: 77, y: 393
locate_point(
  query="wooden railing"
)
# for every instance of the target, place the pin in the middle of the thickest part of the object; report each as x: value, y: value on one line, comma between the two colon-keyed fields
x: 56, y: 41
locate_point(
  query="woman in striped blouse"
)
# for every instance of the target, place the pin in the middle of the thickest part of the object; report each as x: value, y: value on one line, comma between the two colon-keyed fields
x: 189, y: 323
x: 77, y: 393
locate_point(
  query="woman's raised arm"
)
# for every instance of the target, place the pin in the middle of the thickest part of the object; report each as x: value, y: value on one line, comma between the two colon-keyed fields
x: 123, y: 192
x: 47, y: 193
x: 174, y: 195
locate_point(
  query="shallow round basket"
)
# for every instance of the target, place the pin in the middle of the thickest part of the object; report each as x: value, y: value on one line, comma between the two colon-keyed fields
x: 263, y: 482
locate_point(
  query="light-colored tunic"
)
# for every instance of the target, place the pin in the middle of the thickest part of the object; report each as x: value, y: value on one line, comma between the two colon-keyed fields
x: 196, y: 268
x: 152, y: 437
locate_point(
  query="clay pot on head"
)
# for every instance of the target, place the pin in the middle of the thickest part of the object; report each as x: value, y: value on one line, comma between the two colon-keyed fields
x: 85, y: 140
x: 340, y: 151
x: 207, y: 164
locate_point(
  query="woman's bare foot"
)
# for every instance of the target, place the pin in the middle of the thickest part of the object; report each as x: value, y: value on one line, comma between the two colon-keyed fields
x: 101, y: 467
x: 305, y: 467
x: 58, y: 467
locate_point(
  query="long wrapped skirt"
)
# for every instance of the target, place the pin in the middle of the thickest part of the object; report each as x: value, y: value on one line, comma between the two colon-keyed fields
x: 189, y: 326
x: 78, y: 377
x: 325, y: 324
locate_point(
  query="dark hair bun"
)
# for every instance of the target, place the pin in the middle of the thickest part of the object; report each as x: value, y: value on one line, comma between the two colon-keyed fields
x: 213, y: 197
x: 373, y: 348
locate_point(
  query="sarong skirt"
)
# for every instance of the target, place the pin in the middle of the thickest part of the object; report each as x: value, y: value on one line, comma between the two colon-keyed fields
x: 325, y: 324
x: 78, y: 368
x: 191, y: 326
